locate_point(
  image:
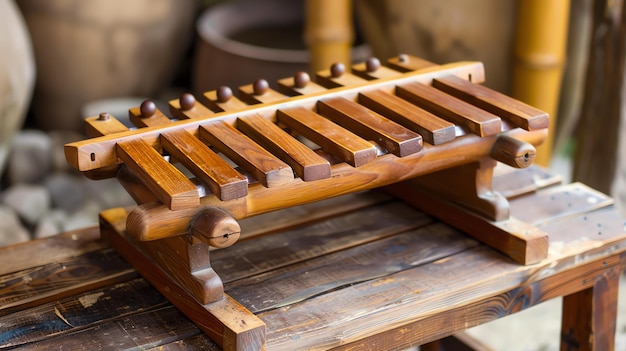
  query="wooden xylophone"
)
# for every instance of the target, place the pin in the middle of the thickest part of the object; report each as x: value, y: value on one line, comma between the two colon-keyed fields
x: 430, y: 134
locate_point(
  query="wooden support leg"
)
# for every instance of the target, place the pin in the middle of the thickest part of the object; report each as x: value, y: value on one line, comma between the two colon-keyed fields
x: 589, y: 316
x: 181, y: 271
x: 470, y: 186
x: 463, y: 198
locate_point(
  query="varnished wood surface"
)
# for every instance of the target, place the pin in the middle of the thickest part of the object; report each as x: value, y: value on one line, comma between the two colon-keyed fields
x: 375, y: 275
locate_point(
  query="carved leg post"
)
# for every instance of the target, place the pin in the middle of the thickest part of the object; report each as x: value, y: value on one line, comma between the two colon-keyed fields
x: 589, y: 316
x: 180, y: 269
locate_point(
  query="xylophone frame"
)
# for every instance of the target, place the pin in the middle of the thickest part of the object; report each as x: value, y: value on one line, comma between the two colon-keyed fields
x: 169, y: 235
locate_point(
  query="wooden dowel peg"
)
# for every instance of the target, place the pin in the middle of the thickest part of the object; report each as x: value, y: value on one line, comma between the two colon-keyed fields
x: 215, y: 227
x: 513, y: 152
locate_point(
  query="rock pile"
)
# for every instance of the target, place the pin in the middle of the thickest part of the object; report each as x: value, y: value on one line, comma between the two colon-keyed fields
x: 43, y: 196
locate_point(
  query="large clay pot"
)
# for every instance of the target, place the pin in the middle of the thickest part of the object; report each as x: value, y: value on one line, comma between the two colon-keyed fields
x: 17, y: 74
x: 91, y: 50
x: 242, y: 41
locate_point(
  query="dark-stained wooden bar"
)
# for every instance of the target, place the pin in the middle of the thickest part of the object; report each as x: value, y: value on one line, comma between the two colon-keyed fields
x: 363, y: 271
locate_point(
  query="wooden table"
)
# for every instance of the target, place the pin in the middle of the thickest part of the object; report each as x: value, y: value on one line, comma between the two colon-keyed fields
x: 359, y: 272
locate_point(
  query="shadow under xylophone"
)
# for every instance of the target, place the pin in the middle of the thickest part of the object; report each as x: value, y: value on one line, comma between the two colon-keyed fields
x: 412, y: 124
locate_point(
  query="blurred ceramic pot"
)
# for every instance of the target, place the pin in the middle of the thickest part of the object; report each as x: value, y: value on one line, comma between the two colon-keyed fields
x: 90, y: 50
x: 242, y: 41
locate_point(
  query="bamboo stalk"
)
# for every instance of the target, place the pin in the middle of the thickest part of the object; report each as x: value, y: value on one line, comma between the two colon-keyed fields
x: 540, y: 44
x: 329, y: 32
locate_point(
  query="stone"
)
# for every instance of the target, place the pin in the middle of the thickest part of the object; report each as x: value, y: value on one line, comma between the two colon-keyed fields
x: 30, y: 158
x: 87, y: 216
x: 30, y: 202
x: 11, y: 230
x: 51, y: 223
x: 67, y: 191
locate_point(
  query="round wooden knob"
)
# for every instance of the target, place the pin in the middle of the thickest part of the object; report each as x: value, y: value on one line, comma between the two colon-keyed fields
x: 224, y: 94
x: 404, y: 58
x: 301, y: 79
x: 147, y: 108
x: 187, y: 101
x: 260, y: 86
x: 104, y: 116
x: 372, y: 64
x: 215, y: 227
x: 337, y: 70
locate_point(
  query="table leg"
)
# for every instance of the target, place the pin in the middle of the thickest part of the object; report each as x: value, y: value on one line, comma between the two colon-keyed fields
x: 589, y: 316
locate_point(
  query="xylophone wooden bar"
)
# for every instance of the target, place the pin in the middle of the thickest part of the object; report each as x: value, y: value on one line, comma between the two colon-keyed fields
x: 265, y: 167
x: 305, y: 162
x: 367, y: 124
x: 166, y: 182
x: 340, y: 142
x: 515, y: 111
x: 223, y: 180
x: 478, y: 121
x: 433, y: 129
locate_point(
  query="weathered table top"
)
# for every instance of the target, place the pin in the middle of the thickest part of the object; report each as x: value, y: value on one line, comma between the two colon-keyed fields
x: 359, y: 270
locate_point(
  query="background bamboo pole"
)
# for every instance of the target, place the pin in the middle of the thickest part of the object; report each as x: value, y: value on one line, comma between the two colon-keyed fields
x: 540, y: 44
x: 329, y: 32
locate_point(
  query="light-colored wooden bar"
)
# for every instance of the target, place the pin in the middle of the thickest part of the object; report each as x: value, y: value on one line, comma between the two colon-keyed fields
x: 516, y: 112
x: 337, y: 76
x: 265, y: 167
x: 222, y: 99
x: 371, y: 126
x: 299, y: 84
x: 409, y: 63
x: 340, y: 142
x: 372, y: 69
x: 259, y: 92
x: 147, y: 115
x: 162, y: 178
x: 433, y: 129
x: 223, y: 180
x: 186, y: 107
x: 305, y: 162
x: 478, y: 121
x: 104, y: 124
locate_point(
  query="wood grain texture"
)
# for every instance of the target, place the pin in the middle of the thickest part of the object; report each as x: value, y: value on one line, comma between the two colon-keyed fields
x: 288, y: 87
x: 408, y: 63
x: 513, y: 152
x: 212, y: 101
x: 305, y: 162
x: 514, y: 111
x: 197, y: 111
x: 162, y: 178
x: 327, y: 80
x: 479, y: 122
x: 433, y: 129
x: 249, y: 94
x: 340, y: 142
x: 97, y: 126
x: 157, y: 119
x: 223, y: 180
x: 265, y: 167
x: 371, y: 126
